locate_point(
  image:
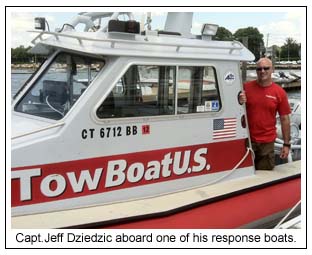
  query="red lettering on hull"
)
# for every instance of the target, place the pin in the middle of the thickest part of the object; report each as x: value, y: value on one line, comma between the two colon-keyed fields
x: 57, y: 181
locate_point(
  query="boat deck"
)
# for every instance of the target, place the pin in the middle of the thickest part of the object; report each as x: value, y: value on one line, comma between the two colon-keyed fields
x: 110, y: 214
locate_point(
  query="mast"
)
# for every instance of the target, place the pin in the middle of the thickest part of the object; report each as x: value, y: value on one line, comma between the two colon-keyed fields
x: 180, y: 22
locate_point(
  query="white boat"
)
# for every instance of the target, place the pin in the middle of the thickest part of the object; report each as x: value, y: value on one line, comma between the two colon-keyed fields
x: 296, y: 74
x: 279, y: 77
x: 283, y: 78
x: 295, y: 106
x: 93, y: 146
x: 295, y: 131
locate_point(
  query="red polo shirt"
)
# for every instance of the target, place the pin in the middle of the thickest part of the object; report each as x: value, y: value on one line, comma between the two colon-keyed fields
x: 262, y: 105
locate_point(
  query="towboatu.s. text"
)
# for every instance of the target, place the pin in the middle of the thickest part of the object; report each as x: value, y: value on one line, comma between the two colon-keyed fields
x: 121, y: 127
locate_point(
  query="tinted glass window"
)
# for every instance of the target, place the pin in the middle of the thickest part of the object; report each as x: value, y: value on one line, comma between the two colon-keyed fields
x: 58, y: 89
x: 142, y: 91
x: 151, y: 91
x: 197, y: 90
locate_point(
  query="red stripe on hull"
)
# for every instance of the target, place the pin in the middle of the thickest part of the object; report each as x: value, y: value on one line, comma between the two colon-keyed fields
x: 53, y: 182
x: 228, y: 213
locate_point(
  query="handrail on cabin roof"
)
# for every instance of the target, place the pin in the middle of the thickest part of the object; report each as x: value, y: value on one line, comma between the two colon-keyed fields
x: 114, y: 41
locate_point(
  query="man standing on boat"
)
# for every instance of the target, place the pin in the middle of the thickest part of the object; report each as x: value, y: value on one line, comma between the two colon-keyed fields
x: 264, y: 99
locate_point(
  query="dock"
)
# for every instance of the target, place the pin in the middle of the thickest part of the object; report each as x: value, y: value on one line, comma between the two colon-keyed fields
x: 291, y: 86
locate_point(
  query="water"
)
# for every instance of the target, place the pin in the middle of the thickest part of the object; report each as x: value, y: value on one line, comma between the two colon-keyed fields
x: 20, y: 76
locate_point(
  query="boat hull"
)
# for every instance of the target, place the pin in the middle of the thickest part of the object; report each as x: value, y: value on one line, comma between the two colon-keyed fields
x: 258, y: 201
x: 260, y: 207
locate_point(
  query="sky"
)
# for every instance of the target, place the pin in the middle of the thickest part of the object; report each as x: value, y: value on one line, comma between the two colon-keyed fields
x: 276, y: 24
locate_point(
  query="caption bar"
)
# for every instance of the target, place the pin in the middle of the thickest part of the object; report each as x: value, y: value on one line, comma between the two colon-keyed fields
x: 157, y: 239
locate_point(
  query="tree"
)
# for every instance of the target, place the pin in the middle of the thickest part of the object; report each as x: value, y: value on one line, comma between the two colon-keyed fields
x: 290, y: 50
x: 255, y: 40
x: 276, y: 53
x: 223, y: 34
x: 20, y: 54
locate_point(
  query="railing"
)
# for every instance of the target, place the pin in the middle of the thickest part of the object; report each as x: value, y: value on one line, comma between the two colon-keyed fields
x: 234, y: 46
x: 38, y: 130
x: 279, y: 144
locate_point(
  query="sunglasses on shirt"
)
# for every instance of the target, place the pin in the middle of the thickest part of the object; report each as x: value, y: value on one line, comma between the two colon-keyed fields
x: 265, y: 68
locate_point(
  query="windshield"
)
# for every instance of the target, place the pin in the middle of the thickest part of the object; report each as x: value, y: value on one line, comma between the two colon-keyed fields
x: 60, y: 86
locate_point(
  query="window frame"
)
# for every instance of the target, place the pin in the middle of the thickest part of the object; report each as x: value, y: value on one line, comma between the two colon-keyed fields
x: 46, y: 67
x: 120, y: 77
x: 176, y: 64
x: 217, y: 89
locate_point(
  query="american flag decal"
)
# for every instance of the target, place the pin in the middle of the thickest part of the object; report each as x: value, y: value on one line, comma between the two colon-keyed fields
x: 224, y: 128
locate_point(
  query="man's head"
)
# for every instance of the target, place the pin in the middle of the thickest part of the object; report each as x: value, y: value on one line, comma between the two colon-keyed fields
x: 264, y: 71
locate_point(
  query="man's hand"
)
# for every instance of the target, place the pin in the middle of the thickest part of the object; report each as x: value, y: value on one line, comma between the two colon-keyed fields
x: 284, y: 152
x: 242, y: 97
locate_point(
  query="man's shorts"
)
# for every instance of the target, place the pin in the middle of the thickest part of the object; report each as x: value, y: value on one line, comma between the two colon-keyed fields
x: 264, y: 155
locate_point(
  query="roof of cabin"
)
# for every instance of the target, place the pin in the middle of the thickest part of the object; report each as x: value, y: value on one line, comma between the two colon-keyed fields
x: 150, y: 45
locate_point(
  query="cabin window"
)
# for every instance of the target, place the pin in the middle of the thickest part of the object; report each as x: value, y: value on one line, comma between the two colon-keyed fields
x: 150, y: 91
x: 60, y: 86
x: 142, y: 91
x: 197, y: 90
